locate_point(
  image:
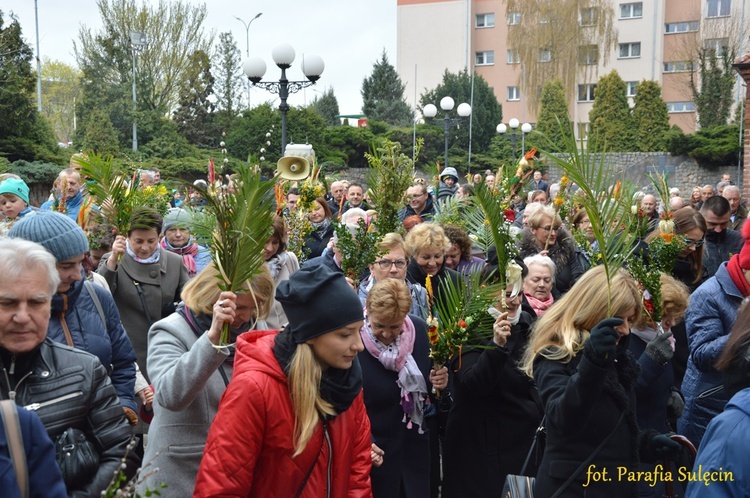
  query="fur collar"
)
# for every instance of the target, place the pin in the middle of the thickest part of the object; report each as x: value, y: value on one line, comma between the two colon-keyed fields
x: 561, y: 252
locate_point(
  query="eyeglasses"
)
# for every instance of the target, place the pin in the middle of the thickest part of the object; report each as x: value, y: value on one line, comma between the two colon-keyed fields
x: 385, y: 264
x: 550, y: 229
x: 693, y: 243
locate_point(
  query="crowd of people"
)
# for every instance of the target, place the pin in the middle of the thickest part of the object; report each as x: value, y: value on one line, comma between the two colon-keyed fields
x: 113, y: 340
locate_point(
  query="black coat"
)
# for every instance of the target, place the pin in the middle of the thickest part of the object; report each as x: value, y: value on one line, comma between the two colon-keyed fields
x: 563, y: 253
x: 653, y: 389
x: 406, y: 464
x: 496, y: 411
x: 583, y: 401
x: 416, y: 275
x: 315, y: 242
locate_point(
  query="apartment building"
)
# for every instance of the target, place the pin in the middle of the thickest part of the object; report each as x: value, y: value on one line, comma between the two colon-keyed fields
x: 656, y: 40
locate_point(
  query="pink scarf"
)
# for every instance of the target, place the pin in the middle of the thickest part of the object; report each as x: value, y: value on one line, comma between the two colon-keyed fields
x: 188, y: 254
x: 397, y: 357
x: 539, y: 306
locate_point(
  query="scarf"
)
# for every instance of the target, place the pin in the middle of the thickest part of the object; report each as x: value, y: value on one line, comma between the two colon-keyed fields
x: 738, y: 276
x: 338, y: 387
x: 154, y: 258
x: 495, y: 313
x: 188, y: 253
x: 275, y: 263
x: 539, y: 306
x: 200, y: 323
x: 320, y: 227
x: 397, y: 357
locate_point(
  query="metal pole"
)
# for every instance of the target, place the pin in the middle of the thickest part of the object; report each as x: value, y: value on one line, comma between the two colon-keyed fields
x: 284, y: 107
x: 38, y: 62
x: 135, y: 126
x: 446, y: 124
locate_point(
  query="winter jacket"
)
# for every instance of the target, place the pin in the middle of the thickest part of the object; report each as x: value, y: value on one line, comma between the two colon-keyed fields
x: 188, y: 384
x: 161, y: 284
x: 583, y: 402
x: 250, y: 445
x: 496, y: 411
x: 418, y: 296
x: 284, y: 264
x: 107, y: 340
x: 430, y: 210
x: 446, y: 192
x: 723, y: 450
x: 709, y: 319
x: 72, y: 206
x: 407, y: 462
x: 416, y: 275
x: 67, y: 387
x: 45, y: 480
x: 653, y: 389
x: 739, y: 218
x: 316, y: 242
x: 715, y: 253
x: 563, y: 254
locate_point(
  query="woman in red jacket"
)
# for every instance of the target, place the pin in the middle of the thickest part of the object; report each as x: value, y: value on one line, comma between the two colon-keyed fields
x: 292, y: 421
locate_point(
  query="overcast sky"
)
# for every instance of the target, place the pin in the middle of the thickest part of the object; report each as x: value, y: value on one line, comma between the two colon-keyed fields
x: 349, y: 35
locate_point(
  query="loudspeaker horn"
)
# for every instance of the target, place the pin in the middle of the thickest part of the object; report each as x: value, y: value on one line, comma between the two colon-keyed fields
x: 296, y: 163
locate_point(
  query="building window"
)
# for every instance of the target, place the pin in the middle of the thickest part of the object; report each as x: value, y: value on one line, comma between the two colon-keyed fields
x: 486, y: 58
x: 718, y: 8
x: 678, y: 67
x: 545, y: 55
x: 631, y: 88
x: 513, y: 56
x: 680, y: 106
x: 514, y: 18
x: 630, y: 50
x: 681, y: 27
x: 485, y: 20
x: 583, y: 131
x: 631, y: 10
x: 514, y: 93
x: 588, y: 16
x: 716, y: 47
x: 586, y: 92
x: 588, y: 54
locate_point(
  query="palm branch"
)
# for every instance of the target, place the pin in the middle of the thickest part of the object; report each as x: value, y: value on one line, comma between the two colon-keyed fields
x: 238, y: 224
x: 107, y: 185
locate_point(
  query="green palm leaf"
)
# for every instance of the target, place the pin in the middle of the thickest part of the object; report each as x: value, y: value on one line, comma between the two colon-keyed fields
x: 107, y: 185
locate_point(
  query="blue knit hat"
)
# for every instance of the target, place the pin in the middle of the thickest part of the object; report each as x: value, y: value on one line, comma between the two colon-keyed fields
x: 56, y: 232
x: 16, y: 187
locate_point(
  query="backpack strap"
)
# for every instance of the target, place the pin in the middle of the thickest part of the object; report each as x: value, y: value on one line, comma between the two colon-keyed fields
x: 92, y: 292
x: 8, y: 410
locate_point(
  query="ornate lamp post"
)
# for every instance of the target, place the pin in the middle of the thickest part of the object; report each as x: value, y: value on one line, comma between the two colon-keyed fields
x: 283, y: 55
x: 446, y: 104
x: 514, y: 135
x: 138, y: 40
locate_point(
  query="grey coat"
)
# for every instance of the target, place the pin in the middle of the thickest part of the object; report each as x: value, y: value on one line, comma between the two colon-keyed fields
x: 188, y: 387
x: 161, y: 284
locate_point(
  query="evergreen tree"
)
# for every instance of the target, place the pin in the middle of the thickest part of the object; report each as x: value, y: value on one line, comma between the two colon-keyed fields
x: 195, y: 115
x: 100, y: 135
x: 650, y: 117
x: 383, y: 95
x: 553, y: 126
x: 713, y: 93
x: 486, y: 111
x: 228, y: 80
x: 327, y: 106
x: 610, y: 122
x: 24, y: 134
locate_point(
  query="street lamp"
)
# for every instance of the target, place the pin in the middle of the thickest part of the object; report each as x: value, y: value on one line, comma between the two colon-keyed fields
x: 514, y: 135
x: 247, y: 45
x: 138, y: 40
x: 283, y: 55
x: 446, y: 104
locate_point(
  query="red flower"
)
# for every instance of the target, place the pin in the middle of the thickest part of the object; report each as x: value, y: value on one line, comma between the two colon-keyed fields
x: 649, y: 305
x: 462, y: 324
x: 510, y: 215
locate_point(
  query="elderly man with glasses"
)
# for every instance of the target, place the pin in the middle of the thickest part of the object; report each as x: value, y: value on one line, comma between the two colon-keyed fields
x: 392, y: 263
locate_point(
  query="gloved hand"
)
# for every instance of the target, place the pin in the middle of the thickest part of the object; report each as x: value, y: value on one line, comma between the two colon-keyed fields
x: 660, y: 349
x: 602, y: 343
x: 675, y: 405
x: 664, y: 447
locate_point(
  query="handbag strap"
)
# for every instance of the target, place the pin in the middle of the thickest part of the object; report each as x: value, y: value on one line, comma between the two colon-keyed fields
x: 143, y: 302
x: 588, y: 460
x: 539, y: 430
x: 12, y: 427
x: 315, y: 460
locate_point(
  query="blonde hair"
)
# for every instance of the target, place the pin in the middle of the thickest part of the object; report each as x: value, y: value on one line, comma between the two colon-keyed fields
x: 535, y: 219
x: 200, y: 293
x: 674, y: 300
x: 389, y: 298
x: 304, y: 375
x: 560, y: 334
x: 391, y: 241
x: 427, y: 235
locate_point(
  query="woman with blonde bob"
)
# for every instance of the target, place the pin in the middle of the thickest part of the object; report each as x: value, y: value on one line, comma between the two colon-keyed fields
x: 578, y: 356
x: 397, y: 385
x: 292, y: 421
x: 189, y: 373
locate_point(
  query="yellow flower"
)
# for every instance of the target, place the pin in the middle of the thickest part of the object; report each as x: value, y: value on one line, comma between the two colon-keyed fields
x: 559, y: 201
x: 564, y: 181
